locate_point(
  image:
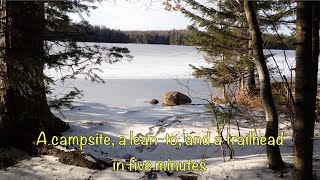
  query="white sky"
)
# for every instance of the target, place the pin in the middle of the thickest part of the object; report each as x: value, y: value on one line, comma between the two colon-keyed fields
x: 136, y: 15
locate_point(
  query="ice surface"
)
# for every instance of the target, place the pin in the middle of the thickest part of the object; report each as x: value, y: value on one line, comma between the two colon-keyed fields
x: 152, y: 62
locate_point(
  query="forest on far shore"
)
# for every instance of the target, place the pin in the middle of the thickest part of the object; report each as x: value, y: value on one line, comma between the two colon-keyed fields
x: 84, y: 32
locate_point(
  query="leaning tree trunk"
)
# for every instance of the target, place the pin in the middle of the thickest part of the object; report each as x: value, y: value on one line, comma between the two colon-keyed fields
x: 304, y: 93
x: 24, y: 111
x: 273, y: 152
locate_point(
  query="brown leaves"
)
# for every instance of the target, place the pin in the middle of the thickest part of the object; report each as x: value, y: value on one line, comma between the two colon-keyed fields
x: 172, y: 5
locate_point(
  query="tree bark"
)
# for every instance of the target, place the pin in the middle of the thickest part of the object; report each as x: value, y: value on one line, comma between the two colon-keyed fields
x: 251, y: 82
x: 315, y: 55
x: 273, y: 152
x: 307, y: 52
x: 24, y: 111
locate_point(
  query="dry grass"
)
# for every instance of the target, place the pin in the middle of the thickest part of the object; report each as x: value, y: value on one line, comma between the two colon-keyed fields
x: 253, y: 101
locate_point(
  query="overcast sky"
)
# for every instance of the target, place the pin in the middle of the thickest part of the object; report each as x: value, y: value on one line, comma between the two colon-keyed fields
x: 136, y: 15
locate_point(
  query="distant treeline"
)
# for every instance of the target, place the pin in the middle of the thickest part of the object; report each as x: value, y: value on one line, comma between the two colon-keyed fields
x: 87, y: 33
x: 276, y: 42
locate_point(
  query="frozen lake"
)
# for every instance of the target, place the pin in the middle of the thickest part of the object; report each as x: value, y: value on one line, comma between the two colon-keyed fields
x: 154, y: 70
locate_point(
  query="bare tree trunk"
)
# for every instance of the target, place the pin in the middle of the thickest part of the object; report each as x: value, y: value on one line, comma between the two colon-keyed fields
x: 24, y: 110
x: 305, y: 90
x: 273, y: 152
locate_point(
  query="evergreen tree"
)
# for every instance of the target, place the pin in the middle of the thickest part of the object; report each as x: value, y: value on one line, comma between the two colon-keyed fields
x: 221, y: 32
x: 227, y: 32
x: 24, y: 54
x: 24, y: 110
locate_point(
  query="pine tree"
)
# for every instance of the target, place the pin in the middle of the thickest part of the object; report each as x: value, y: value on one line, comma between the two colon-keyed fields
x: 24, y: 110
x: 231, y: 30
x: 24, y: 54
x: 222, y: 33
